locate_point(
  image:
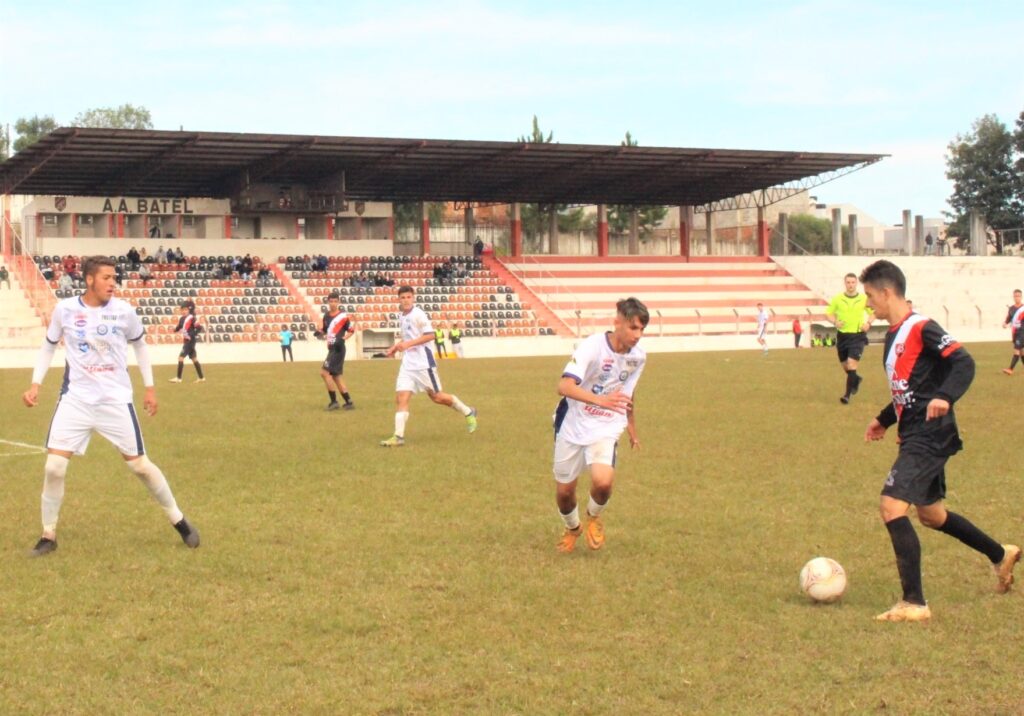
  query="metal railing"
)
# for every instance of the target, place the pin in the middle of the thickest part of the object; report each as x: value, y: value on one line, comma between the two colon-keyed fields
x: 562, y: 294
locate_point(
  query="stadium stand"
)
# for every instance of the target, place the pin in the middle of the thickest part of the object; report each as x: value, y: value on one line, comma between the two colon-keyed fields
x: 704, y: 297
x: 455, y: 288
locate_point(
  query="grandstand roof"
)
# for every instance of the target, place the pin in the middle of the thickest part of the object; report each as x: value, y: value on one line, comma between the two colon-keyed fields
x: 109, y: 162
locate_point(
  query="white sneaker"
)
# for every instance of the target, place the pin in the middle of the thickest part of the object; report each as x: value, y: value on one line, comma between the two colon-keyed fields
x: 200, y: 380
x: 174, y: 380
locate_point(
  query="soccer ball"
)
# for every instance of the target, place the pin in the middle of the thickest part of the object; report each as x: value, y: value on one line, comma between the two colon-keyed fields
x: 823, y: 580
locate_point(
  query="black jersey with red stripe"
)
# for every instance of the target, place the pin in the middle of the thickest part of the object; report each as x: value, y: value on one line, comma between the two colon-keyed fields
x: 187, y: 327
x: 922, y: 362
x: 336, y: 329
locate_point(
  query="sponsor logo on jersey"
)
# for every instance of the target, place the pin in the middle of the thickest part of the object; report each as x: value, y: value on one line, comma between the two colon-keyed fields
x: 947, y: 340
x: 623, y: 375
x: 81, y: 322
x: 83, y: 347
x: 597, y: 389
x: 101, y: 330
x: 899, y: 348
x: 607, y: 365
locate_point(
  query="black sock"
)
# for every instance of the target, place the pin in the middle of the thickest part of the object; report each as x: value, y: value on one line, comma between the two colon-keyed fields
x: 908, y: 558
x: 346, y: 397
x: 199, y: 369
x: 181, y: 367
x: 334, y: 396
x: 850, y: 380
x: 964, y: 530
x: 1013, y: 361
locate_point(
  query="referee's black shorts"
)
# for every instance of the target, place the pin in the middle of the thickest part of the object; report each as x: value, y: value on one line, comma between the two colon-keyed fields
x: 851, y: 345
x: 335, y: 361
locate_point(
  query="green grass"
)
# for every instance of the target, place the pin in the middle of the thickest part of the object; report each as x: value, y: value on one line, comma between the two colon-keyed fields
x: 339, y: 577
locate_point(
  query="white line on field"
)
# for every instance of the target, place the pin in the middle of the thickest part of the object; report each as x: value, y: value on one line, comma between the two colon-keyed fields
x: 15, y: 443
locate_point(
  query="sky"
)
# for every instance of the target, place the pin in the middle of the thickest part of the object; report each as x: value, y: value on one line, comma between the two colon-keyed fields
x: 897, y: 78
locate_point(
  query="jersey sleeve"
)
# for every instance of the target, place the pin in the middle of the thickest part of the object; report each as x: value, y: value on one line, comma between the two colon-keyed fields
x: 133, y: 328
x: 581, y: 359
x: 961, y: 365
x: 833, y: 306
x: 424, y: 322
x: 55, y: 331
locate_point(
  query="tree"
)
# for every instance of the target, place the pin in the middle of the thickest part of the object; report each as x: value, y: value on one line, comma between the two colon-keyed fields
x: 407, y: 214
x: 124, y: 117
x: 620, y: 216
x: 536, y: 217
x: 31, y: 129
x: 812, y: 234
x: 984, y: 174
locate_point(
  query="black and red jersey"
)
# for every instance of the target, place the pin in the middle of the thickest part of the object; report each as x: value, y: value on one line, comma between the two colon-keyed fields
x: 187, y: 325
x: 337, y: 328
x: 922, y: 362
x: 1014, y: 318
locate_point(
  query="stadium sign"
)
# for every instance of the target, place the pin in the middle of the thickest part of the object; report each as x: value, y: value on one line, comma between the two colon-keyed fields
x: 146, y: 206
x: 141, y: 205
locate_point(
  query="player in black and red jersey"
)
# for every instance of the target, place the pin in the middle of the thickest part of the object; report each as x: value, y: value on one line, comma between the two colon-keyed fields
x: 928, y: 371
x: 1014, y: 319
x: 188, y: 329
x: 336, y: 328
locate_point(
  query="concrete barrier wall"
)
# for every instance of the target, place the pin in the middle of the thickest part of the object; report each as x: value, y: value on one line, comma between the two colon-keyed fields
x: 267, y: 249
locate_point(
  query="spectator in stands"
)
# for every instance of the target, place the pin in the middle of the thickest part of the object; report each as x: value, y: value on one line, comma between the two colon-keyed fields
x: 264, y: 273
x: 455, y: 335
x: 161, y: 255
x: 68, y: 265
x: 143, y: 256
x: 4, y: 276
x: 439, y: 342
x: 307, y: 263
x: 154, y: 231
x: 928, y: 245
x: 478, y: 247
x: 133, y: 258
x: 50, y: 271
x: 246, y: 269
x: 144, y: 274
x: 118, y: 274
x: 64, y: 282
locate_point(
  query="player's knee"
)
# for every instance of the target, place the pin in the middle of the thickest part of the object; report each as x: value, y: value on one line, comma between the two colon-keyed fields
x: 139, y: 465
x: 56, y: 467
x: 932, y: 519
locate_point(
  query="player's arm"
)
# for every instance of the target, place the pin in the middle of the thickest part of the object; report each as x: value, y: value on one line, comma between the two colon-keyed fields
x: 634, y: 440
x: 1009, y: 316
x: 568, y: 387
x: 832, y: 312
x: 54, y: 333
x: 882, y: 422
x: 960, y: 371
x: 149, y: 401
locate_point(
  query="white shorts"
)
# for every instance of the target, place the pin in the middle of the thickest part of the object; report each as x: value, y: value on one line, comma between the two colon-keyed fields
x: 570, y: 459
x: 417, y: 381
x: 74, y: 422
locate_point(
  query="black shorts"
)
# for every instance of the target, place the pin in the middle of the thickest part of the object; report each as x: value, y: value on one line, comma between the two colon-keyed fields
x: 918, y: 476
x: 1018, y: 339
x: 851, y: 345
x: 335, y: 362
x: 188, y: 349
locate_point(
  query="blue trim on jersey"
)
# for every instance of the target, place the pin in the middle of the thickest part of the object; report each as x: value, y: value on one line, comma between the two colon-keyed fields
x: 132, y: 340
x: 430, y: 357
x: 52, y: 343
x: 615, y: 452
x: 560, y: 413
x: 66, y: 383
x: 433, y: 380
x: 138, y: 430
x: 574, y: 377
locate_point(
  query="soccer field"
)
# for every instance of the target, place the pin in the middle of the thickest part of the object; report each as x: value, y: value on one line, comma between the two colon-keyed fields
x: 339, y: 577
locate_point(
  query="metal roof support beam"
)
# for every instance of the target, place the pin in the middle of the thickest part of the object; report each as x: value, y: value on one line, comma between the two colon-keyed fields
x: 130, y: 179
x: 253, y: 173
x: 15, y: 180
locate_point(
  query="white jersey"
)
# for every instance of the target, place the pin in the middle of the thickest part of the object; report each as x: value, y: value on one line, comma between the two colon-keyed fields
x: 415, y: 324
x: 597, y: 368
x: 96, y: 348
x: 762, y: 320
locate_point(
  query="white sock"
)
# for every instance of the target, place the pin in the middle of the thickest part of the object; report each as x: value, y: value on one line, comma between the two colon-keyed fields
x: 400, y: 419
x: 572, y: 520
x: 460, y: 406
x: 593, y: 508
x: 53, y: 490
x: 156, y: 482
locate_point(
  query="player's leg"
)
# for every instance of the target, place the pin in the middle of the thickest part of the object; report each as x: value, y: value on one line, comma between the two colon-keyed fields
x: 325, y: 375
x: 1018, y: 344
x: 339, y: 382
x: 195, y: 363
x: 70, y: 430
x: 1002, y: 557
x: 567, y: 465
x: 453, y: 402
x: 600, y: 457
x: 120, y: 425
x: 402, y: 396
x: 907, y: 548
x: 181, y: 366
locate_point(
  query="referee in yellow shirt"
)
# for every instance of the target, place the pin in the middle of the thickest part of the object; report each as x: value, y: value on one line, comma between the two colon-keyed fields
x: 852, y: 318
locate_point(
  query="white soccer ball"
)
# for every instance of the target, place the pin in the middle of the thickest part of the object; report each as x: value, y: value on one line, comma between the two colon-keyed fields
x: 823, y: 579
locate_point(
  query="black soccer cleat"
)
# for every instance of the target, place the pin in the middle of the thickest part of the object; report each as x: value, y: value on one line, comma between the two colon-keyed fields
x: 43, y: 547
x: 189, y: 534
x: 333, y: 405
x: 349, y: 406
x: 845, y: 400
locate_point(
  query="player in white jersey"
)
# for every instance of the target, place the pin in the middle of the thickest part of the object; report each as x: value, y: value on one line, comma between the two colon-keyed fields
x: 419, y: 370
x: 597, y: 389
x: 97, y: 394
x: 762, y: 327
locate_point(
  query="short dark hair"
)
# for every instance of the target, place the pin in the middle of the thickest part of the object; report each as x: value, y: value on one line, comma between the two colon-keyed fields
x: 850, y: 275
x: 1016, y: 290
x: 630, y: 308
x: 334, y: 295
x: 885, y: 274
x: 405, y: 289
x: 92, y: 264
